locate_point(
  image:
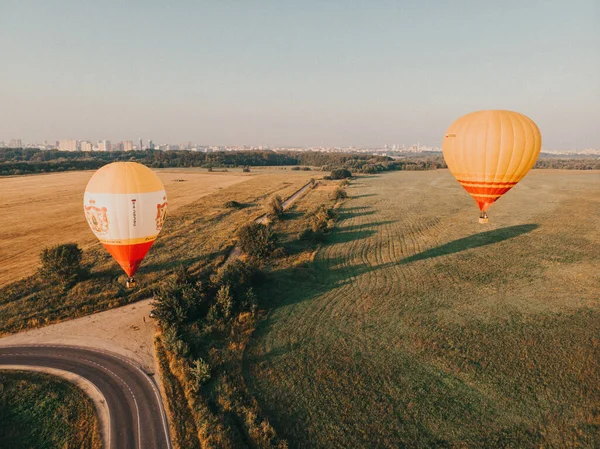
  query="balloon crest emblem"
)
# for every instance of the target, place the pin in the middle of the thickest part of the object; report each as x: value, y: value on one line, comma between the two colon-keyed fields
x: 96, y: 218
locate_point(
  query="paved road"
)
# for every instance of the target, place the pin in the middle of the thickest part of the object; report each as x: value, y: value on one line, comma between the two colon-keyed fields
x: 137, y: 419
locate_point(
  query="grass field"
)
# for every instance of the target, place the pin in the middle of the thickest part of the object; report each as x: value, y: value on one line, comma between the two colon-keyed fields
x: 415, y: 326
x: 44, y: 412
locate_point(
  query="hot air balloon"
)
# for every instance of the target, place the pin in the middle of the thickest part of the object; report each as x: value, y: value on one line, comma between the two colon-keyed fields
x: 125, y: 205
x: 489, y: 152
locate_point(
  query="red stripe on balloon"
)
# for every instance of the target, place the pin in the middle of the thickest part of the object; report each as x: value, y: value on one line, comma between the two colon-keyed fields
x: 129, y: 256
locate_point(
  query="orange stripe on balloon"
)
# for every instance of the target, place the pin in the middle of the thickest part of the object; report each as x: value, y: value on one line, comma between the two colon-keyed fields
x: 487, y: 184
x: 129, y: 256
x: 496, y: 191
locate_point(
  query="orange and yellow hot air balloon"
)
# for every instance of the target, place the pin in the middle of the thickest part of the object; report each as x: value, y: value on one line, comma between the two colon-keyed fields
x: 125, y: 204
x: 489, y: 152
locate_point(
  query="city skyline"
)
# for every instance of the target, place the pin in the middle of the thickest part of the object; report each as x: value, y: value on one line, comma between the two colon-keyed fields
x: 300, y: 75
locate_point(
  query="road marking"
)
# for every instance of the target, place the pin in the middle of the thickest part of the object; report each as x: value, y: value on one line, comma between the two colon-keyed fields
x: 110, y: 354
x: 62, y: 374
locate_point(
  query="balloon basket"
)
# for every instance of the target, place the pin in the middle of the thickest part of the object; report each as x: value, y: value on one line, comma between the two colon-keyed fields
x: 483, y: 218
x: 130, y: 283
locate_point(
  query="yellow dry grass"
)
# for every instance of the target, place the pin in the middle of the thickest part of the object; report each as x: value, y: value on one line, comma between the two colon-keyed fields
x: 45, y: 210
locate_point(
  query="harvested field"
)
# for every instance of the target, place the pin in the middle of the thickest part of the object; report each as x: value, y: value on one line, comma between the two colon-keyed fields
x: 45, y: 210
x: 415, y: 326
x: 195, y: 235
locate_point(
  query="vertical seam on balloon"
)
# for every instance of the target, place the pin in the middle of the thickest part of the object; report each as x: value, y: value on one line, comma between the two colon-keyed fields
x: 466, y: 133
x: 497, y: 190
x: 519, y: 170
x: 507, y: 177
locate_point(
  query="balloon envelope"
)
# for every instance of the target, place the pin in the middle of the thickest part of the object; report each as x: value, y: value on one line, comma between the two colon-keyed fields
x: 125, y: 205
x: 489, y: 152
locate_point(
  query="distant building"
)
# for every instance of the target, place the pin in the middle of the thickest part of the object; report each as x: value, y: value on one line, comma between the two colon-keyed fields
x: 86, y: 146
x: 150, y: 145
x: 67, y: 145
x: 15, y: 143
x: 141, y: 147
x: 104, y: 145
x: 128, y: 145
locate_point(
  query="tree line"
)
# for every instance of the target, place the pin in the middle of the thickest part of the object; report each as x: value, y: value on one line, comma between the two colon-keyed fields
x: 28, y: 161
x: 17, y: 161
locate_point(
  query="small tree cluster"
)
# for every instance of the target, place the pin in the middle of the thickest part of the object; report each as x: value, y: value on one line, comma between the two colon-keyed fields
x: 179, y: 299
x: 246, y: 169
x: 275, y: 207
x: 338, y: 194
x: 61, y: 263
x: 340, y: 173
x: 320, y: 221
x: 257, y: 240
x: 199, y: 373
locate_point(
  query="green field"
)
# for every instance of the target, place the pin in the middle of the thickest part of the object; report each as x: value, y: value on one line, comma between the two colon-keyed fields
x: 417, y: 327
x: 45, y: 412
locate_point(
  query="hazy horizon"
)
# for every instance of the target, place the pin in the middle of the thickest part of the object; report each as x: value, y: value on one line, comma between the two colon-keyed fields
x: 305, y: 74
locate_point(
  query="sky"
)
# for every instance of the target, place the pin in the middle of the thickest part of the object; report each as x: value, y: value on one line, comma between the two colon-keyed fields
x: 295, y: 73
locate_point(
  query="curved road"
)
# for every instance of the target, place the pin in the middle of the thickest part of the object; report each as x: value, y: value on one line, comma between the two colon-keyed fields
x: 136, y: 413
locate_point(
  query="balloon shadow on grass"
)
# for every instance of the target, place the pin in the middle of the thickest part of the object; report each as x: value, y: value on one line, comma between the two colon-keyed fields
x: 473, y: 241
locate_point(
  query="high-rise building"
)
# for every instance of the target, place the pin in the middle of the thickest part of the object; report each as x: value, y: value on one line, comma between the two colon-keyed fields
x: 15, y: 143
x: 128, y: 145
x: 141, y: 147
x: 67, y: 145
x: 150, y: 145
x: 86, y: 146
x: 104, y: 145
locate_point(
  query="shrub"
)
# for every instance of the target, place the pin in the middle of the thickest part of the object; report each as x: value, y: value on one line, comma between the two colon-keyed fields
x: 369, y: 169
x: 199, y: 373
x: 180, y: 298
x: 338, y: 194
x: 224, y: 302
x: 246, y: 169
x: 344, y: 183
x: 321, y: 219
x: 279, y: 253
x: 250, y: 301
x: 257, y: 240
x: 238, y: 275
x: 295, y: 168
x: 61, y: 263
x: 210, y: 169
x: 340, y: 173
x: 233, y: 205
x: 275, y: 207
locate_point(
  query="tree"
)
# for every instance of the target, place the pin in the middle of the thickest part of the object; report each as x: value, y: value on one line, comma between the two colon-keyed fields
x: 61, y: 263
x: 275, y: 207
x: 338, y: 194
x: 257, y: 240
x: 340, y: 173
x: 200, y: 373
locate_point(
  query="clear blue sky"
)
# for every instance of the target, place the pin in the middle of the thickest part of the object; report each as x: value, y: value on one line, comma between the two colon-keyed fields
x: 296, y: 72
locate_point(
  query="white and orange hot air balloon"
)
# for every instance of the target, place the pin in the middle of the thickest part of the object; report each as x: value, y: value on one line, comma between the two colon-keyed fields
x: 489, y: 152
x: 125, y: 205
